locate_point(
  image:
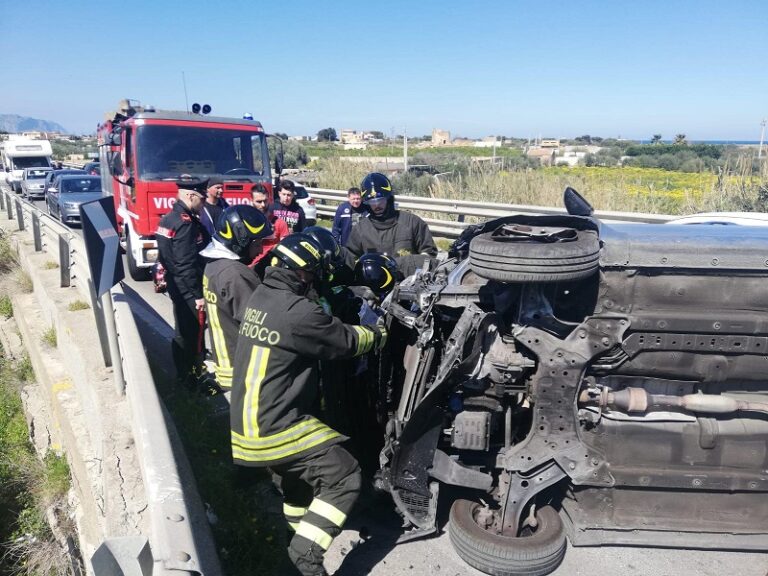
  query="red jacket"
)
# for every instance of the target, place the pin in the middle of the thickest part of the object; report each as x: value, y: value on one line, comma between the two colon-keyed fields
x: 279, y: 231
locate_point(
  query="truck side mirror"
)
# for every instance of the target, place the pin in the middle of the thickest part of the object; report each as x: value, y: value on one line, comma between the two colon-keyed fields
x: 279, y: 162
x: 116, y: 167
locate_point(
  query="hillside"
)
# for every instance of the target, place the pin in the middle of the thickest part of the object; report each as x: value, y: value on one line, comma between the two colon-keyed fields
x: 14, y: 123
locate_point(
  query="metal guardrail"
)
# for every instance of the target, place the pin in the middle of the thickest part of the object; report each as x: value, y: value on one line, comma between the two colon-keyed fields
x: 460, y: 209
x: 172, y: 540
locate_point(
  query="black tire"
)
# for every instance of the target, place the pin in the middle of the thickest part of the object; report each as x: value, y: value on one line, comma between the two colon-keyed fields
x: 136, y: 272
x: 534, y: 555
x: 534, y: 261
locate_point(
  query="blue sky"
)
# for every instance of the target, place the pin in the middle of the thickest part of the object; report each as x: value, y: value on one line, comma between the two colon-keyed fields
x: 515, y: 68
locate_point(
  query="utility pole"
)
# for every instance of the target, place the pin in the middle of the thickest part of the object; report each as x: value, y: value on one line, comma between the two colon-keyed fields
x: 762, y: 137
x: 405, y: 148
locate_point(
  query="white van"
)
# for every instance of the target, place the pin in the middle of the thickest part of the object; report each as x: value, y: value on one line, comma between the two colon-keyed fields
x: 23, y: 153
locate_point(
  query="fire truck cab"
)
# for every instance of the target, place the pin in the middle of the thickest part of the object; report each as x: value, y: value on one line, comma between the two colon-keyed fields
x: 143, y: 151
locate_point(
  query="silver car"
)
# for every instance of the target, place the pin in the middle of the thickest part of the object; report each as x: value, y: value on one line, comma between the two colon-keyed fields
x: 33, y: 182
x: 68, y: 192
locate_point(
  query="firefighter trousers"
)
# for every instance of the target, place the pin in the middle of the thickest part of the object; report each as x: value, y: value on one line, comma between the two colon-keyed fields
x: 319, y: 491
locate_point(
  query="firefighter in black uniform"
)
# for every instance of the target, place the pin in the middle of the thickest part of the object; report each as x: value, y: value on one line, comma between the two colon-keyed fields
x: 228, y: 282
x: 401, y: 235
x: 282, y: 336
x: 180, y: 238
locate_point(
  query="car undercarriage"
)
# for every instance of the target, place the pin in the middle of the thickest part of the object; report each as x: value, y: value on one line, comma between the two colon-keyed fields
x: 604, y: 382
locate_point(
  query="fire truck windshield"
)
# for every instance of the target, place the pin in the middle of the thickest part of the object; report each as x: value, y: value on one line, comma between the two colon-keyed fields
x: 164, y: 152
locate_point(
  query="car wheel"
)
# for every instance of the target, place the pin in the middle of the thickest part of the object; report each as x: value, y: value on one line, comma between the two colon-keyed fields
x: 134, y: 270
x: 534, y: 555
x: 498, y: 257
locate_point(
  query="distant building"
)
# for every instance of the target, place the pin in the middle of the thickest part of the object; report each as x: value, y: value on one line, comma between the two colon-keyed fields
x: 488, y: 142
x: 544, y: 155
x: 440, y: 137
x: 550, y: 143
x: 463, y: 142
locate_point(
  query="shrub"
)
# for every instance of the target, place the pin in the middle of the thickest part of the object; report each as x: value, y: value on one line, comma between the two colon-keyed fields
x: 78, y: 305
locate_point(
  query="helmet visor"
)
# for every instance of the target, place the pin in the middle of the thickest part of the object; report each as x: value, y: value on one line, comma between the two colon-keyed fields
x: 379, y: 202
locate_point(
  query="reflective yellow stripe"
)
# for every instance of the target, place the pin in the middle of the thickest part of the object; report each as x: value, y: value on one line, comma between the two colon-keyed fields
x: 295, y: 432
x: 295, y: 257
x: 289, y: 510
x: 364, y: 340
x: 384, y: 336
x: 257, y: 367
x: 293, y: 526
x: 314, y: 534
x: 328, y: 511
x: 217, y: 335
x: 268, y: 455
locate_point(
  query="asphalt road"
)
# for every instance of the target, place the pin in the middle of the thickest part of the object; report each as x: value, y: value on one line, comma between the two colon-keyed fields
x: 379, y: 556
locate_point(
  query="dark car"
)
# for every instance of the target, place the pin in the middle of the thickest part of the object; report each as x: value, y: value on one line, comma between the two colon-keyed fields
x: 92, y: 168
x: 68, y: 192
x: 601, y: 382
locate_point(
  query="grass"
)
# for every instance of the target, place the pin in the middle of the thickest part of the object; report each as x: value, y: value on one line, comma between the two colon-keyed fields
x: 735, y: 187
x: 28, y: 487
x: 49, y: 337
x: 78, y: 305
x: 6, y: 306
x: 50, y: 265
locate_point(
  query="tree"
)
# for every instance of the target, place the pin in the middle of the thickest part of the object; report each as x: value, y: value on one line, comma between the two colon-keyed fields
x: 656, y: 139
x: 327, y: 135
x: 680, y: 139
x: 377, y: 134
x: 281, y: 135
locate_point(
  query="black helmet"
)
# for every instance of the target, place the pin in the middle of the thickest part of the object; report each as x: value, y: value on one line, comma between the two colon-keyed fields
x: 331, y: 246
x: 376, y: 271
x: 240, y: 225
x: 298, y: 251
x: 375, y: 185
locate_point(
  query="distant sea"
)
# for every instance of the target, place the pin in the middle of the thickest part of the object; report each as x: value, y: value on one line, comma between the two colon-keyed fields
x: 733, y: 142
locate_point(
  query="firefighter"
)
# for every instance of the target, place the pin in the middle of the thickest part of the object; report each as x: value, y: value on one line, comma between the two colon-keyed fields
x: 401, y: 235
x: 180, y: 238
x: 228, y: 282
x: 275, y: 389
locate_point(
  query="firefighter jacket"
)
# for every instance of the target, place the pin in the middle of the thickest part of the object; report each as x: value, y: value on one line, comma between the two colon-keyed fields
x: 180, y: 238
x: 402, y: 234
x: 275, y: 386
x: 292, y: 215
x: 227, y: 285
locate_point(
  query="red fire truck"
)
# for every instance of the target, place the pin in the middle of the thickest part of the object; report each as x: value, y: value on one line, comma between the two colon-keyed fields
x: 143, y: 151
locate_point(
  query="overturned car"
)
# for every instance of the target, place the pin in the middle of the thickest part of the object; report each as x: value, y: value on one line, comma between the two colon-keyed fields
x: 604, y: 382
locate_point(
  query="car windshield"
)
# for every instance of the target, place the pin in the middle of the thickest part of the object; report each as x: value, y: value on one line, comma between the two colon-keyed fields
x: 30, y: 161
x: 168, y: 151
x: 36, y: 174
x: 74, y: 185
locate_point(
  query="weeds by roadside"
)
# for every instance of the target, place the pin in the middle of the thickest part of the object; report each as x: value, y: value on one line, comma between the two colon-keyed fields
x: 78, y: 305
x: 49, y: 337
x: 6, y: 306
x: 24, y: 282
x: 28, y: 488
x: 50, y: 265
